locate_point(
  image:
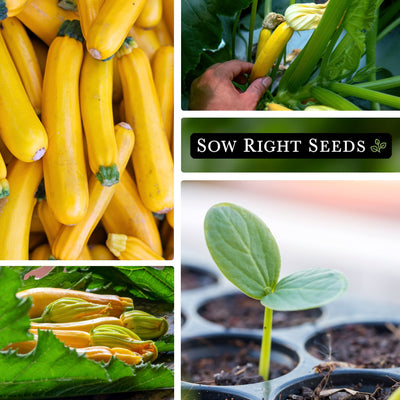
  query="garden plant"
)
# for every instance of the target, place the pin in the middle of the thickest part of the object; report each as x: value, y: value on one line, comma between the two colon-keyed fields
x: 347, y: 63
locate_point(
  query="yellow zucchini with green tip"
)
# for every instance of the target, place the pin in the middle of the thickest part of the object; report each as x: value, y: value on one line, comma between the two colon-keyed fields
x: 152, y: 159
x: 23, y: 54
x: 10, y: 8
x: 17, y: 208
x: 64, y: 165
x: 96, y: 93
x: 20, y: 127
x: 71, y: 240
x: 111, y: 26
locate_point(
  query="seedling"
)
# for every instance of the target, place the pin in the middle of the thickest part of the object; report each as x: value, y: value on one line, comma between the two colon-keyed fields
x: 246, y: 252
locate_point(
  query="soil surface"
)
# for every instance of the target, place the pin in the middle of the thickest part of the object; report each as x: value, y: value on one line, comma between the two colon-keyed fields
x: 359, y: 345
x: 233, y: 368
x: 193, y: 278
x: 240, y: 311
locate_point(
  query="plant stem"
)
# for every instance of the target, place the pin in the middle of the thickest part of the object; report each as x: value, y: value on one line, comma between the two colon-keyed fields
x: 234, y: 33
x: 266, y: 344
x: 381, y: 84
x: 388, y: 29
x: 345, y: 90
x: 331, y: 99
x: 302, y: 67
x: 267, y: 7
x: 251, y: 29
x: 371, y: 54
x: 390, y: 12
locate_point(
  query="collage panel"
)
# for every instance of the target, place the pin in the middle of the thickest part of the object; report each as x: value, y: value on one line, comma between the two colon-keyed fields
x: 289, y: 288
x: 87, y: 333
x: 284, y: 55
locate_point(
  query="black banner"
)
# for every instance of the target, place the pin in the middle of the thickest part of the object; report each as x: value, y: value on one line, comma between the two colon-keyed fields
x: 291, y: 145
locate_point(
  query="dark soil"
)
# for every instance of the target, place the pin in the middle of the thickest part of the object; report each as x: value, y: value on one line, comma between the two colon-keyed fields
x: 359, y: 345
x: 234, y: 368
x: 193, y: 278
x: 240, y: 311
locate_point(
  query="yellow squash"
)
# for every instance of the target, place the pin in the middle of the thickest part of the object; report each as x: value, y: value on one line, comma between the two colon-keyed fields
x: 71, y: 338
x: 44, y: 18
x: 127, y: 214
x: 88, y: 10
x: 64, y: 164
x: 271, y: 51
x: 16, y: 210
x: 151, y: 14
x: 162, y: 33
x: 168, y: 10
x: 20, y: 128
x: 146, y: 39
x: 130, y: 248
x: 41, y: 252
x: 101, y: 252
x: 10, y: 8
x: 25, y: 59
x: 71, y: 239
x: 85, y: 326
x: 96, y: 93
x: 152, y: 159
x: 162, y: 65
x: 4, y: 186
x: 111, y: 26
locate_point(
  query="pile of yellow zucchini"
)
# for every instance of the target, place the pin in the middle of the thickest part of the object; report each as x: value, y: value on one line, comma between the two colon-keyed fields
x: 86, y: 108
x: 95, y: 325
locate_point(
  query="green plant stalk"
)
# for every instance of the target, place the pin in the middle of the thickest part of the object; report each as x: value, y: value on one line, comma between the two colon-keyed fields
x: 332, y: 99
x: 390, y: 12
x: 303, y: 66
x: 345, y: 90
x: 267, y: 7
x: 265, y: 354
x: 234, y: 33
x: 371, y: 54
x: 251, y: 29
x: 381, y: 84
x: 388, y: 29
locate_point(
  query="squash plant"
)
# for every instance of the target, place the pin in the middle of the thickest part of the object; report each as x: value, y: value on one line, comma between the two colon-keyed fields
x: 347, y: 63
x: 246, y: 252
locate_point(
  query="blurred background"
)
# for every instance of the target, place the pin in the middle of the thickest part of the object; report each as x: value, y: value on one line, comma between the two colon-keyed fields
x: 290, y: 125
x: 353, y: 226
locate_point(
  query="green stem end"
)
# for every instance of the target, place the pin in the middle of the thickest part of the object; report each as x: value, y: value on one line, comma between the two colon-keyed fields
x: 108, y: 176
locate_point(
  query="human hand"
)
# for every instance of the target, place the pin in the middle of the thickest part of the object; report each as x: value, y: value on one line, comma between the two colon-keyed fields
x: 214, y: 89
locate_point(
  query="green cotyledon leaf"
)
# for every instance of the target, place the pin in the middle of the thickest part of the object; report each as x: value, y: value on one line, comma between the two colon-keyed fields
x: 306, y: 289
x: 14, y: 319
x: 202, y: 28
x: 243, y: 248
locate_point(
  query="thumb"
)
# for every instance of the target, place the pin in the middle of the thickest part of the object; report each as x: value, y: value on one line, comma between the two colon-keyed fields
x: 256, y: 90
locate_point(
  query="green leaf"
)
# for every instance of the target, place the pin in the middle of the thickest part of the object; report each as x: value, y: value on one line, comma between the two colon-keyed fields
x: 306, y: 289
x: 14, y: 320
x: 165, y: 343
x: 243, y: 249
x: 201, y: 27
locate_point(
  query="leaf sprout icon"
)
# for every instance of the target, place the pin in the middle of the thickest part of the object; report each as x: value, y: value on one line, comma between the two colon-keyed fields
x: 378, y: 146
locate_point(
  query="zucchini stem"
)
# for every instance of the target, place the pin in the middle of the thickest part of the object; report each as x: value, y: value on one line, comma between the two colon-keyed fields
x: 251, y: 29
x: 265, y: 354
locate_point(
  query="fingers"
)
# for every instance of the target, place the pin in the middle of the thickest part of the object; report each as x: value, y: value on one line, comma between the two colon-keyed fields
x: 233, y: 68
x: 255, y: 91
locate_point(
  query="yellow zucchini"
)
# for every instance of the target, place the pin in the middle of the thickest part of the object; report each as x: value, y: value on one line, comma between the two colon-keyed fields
x: 36, y: 225
x: 96, y: 92
x: 71, y: 338
x: 127, y: 214
x: 152, y: 160
x: 42, y: 252
x: 71, y: 239
x: 151, y: 14
x: 271, y: 51
x: 277, y: 107
x: 85, y: 326
x: 4, y: 186
x: 10, y: 8
x: 22, y: 347
x: 162, y: 33
x: 96, y: 353
x: 162, y: 65
x: 146, y: 39
x: 168, y: 10
x: 130, y: 248
x: 20, y: 128
x: 111, y: 26
x: 47, y: 218
x: 43, y: 296
x: 25, y: 59
x: 88, y: 10
x: 64, y: 164
x: 44, y: 18
x: 41, y: 50
x: 16, y: 210
x: 101, y: 252
x: 263, y: 38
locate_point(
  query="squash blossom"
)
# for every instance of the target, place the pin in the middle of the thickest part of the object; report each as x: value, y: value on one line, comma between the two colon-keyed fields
x: 302, y: 17
x: 147, y: 326
x: 119, y: 336
x: 71, y: 309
